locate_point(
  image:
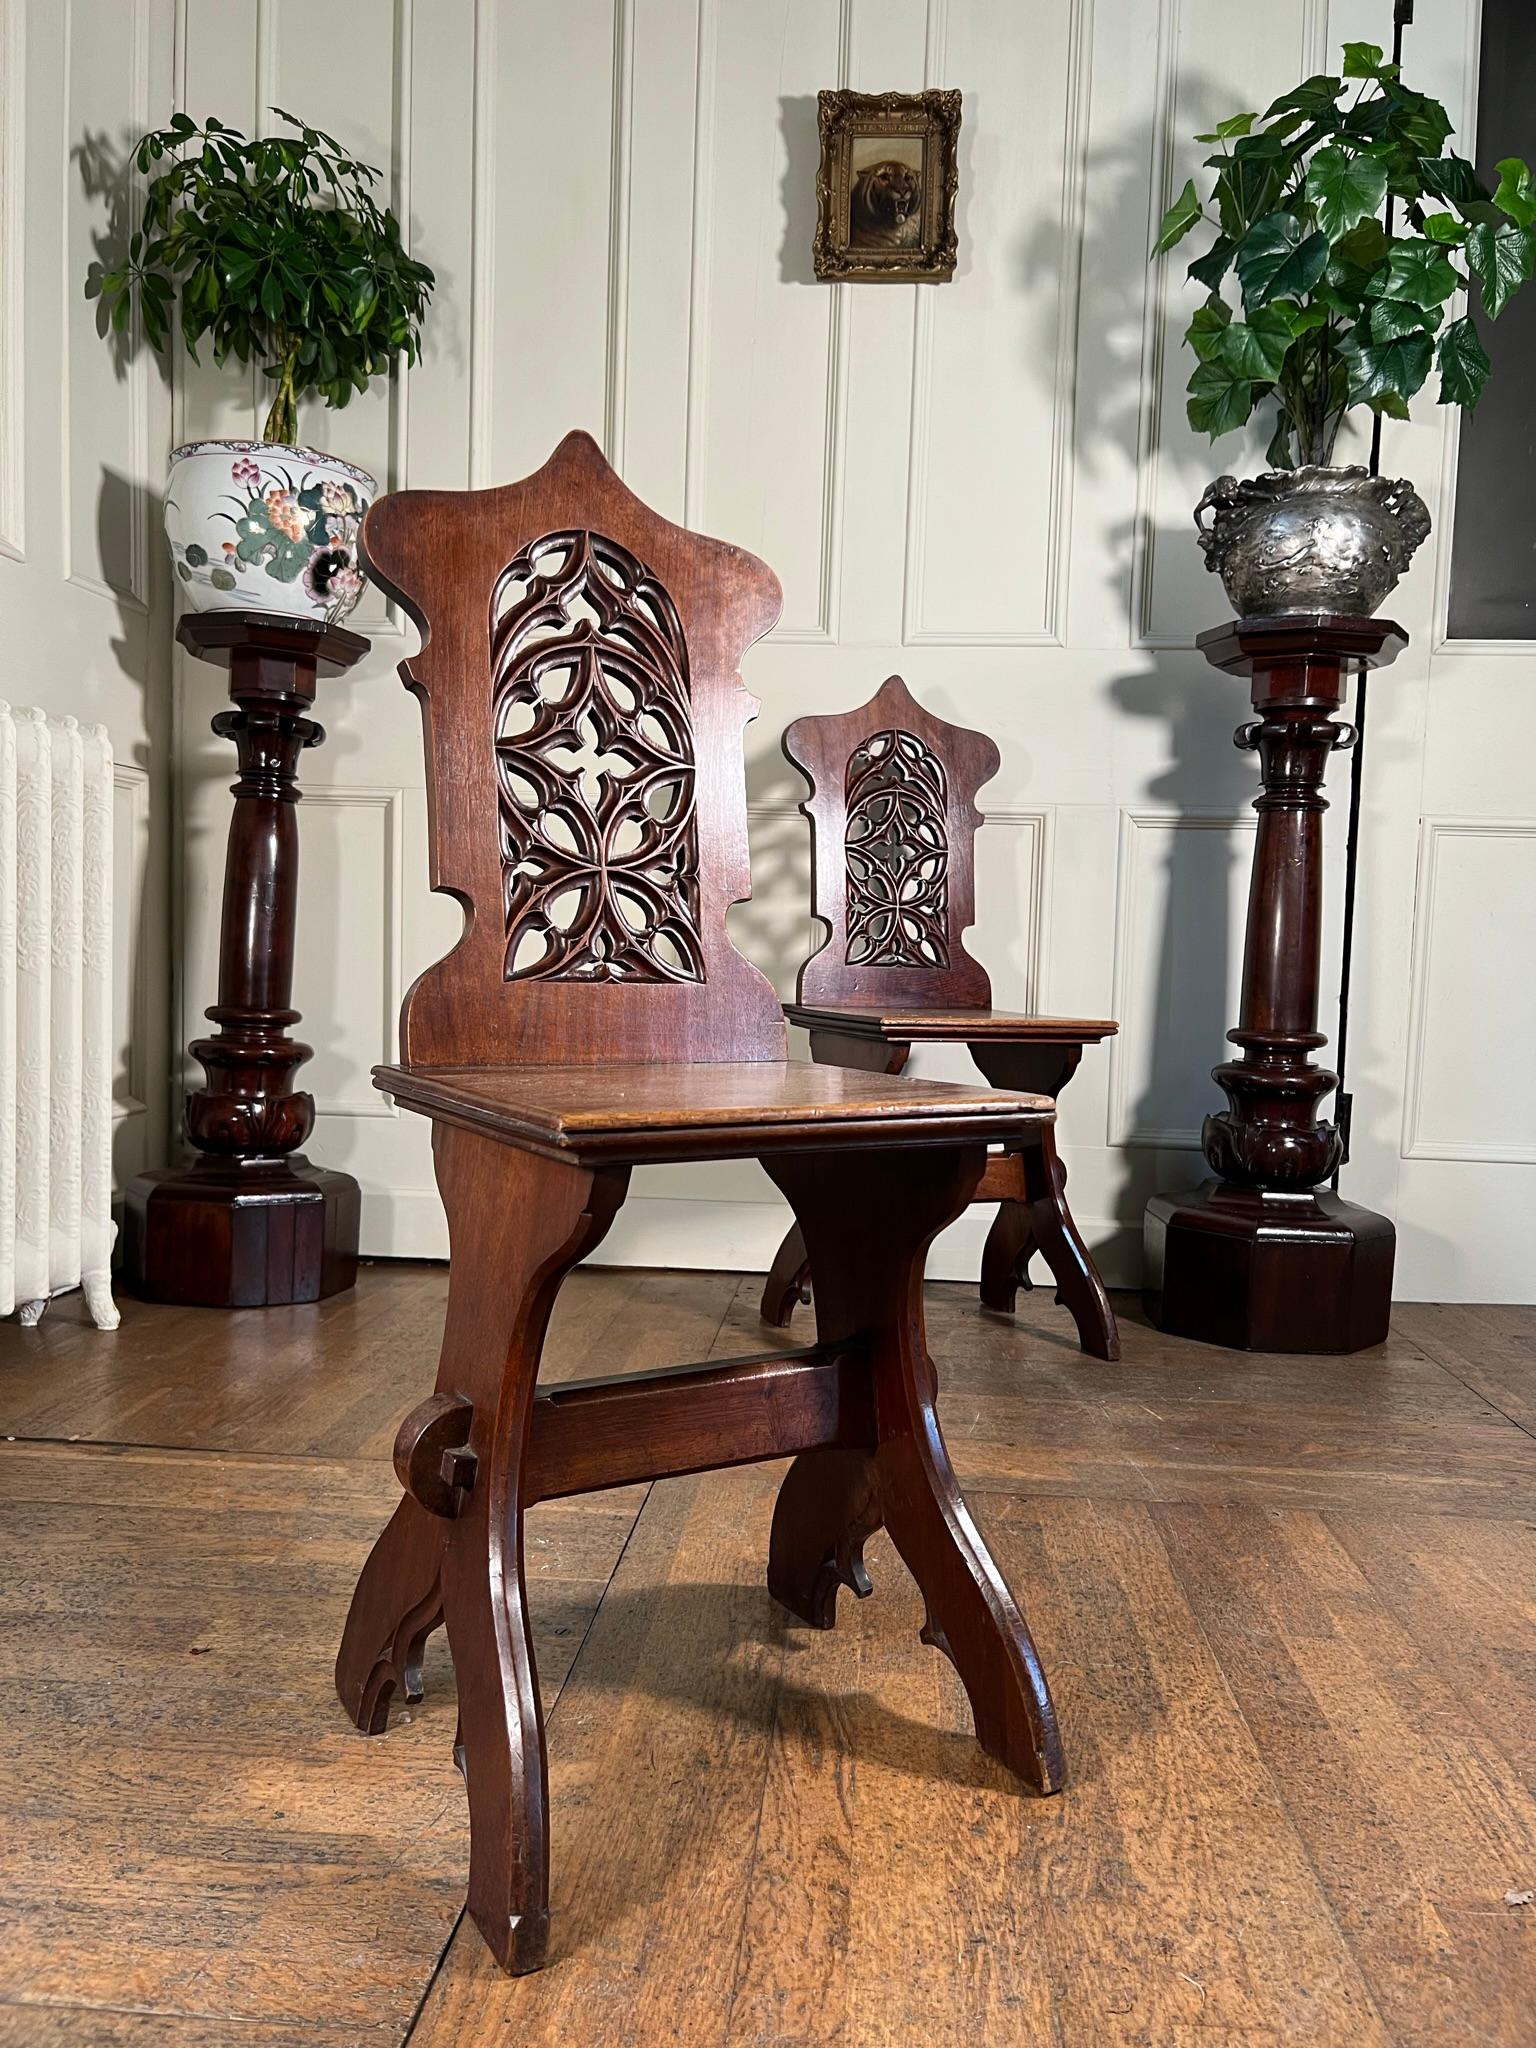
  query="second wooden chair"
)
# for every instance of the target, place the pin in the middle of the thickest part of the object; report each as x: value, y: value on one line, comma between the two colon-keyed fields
x: 893, y: 828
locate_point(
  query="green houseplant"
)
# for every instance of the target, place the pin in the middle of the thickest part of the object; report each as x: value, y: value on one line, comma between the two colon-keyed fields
x: 273, y: 252
x: 1313, y: 309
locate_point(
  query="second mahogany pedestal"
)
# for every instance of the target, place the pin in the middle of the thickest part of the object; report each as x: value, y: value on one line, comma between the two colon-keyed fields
x: 252, y: 1224
x: 1265, y: 1258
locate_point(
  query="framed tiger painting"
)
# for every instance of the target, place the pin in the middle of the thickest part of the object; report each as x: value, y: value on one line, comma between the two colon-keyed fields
x: 887, y: 186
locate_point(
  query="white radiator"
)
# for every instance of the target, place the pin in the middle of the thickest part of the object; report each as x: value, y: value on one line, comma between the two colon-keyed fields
x: 56, y: 1226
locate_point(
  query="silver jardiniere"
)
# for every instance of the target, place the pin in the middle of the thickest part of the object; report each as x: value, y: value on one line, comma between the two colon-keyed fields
x: 1310, y: 540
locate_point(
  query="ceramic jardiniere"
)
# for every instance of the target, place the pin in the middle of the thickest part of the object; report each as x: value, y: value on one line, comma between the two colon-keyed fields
x: 255, y: 526
x: 1310, y: 540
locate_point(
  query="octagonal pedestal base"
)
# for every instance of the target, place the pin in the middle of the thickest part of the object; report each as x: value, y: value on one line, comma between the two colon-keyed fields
x: 1256, y: 1271
x: 241, y: 1234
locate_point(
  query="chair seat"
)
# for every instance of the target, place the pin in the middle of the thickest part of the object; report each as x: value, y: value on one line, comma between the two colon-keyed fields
x: 636, y: 1113
x: 913, y: 1024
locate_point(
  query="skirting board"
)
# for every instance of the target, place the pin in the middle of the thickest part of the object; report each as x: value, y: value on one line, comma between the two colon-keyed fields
x: 725, y: 1237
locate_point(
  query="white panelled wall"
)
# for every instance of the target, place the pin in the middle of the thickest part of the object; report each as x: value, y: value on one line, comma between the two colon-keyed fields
x: 985, y: 486
x: 84, y: 432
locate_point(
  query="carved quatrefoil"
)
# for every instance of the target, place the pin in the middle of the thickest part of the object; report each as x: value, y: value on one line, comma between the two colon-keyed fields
x: 595, y: 767
x: 897, y: 852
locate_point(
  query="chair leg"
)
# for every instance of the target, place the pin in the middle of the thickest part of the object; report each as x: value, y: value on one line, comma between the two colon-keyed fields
x: 789, y: 1281
x: 397, y: 1604
x: 828, y: 1507
x: 1078, y: 1286
x: 1005, y: 1258
x: 517, y: 1224
x: 868, y: 1222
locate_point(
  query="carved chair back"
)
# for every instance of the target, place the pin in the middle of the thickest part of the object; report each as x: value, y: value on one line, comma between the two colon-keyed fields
x: 583, y: 719
x: 893, y: 828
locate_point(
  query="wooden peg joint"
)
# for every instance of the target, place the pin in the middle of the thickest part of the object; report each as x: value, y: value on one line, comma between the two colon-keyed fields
x: 433, y: 1461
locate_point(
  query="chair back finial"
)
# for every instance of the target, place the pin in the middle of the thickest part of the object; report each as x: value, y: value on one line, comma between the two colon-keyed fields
x: 583, y: 718
x: 893, y: 826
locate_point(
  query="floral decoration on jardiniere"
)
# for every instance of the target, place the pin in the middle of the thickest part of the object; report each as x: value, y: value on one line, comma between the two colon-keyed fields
x: 290, y: 521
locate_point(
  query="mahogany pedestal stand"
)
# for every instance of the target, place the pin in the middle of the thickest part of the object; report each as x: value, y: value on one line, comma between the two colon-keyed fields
x: 1265, y: 1258
x: 252, y: 1224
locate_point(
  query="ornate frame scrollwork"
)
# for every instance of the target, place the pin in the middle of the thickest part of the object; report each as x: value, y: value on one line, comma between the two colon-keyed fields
x: 849, y: 116
x: 595, y: 767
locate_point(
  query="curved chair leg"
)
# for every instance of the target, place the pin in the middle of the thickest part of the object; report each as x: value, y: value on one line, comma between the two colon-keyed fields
x: 868, y: 1222
x: 789, y: 1281
x: 517, y: 1224
x: 828, y: 1507
x: 397, y: 1604
x: 1078, y: 1286
x: 1005, y: 1258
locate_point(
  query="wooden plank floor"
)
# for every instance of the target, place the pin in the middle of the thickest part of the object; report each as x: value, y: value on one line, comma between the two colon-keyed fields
x: 1288, y: 1607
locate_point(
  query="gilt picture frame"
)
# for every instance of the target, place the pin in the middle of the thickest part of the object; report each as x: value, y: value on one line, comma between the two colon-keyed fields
x: 887, y: 187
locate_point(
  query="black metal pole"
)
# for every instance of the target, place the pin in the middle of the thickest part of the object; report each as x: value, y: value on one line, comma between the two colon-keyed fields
x: 1402, y: 17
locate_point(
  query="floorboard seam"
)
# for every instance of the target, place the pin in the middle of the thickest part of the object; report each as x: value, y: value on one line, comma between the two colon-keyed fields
x: 443, y: 1954
x: 432, y: 1976
x: 739, y: 1963
x: 115, y: 1443
x: 318, y: 2028
x: 1487, y: 1399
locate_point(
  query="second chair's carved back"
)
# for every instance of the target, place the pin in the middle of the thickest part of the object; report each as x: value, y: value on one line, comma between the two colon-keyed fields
x: 583, y: 718
x: 893, y: 826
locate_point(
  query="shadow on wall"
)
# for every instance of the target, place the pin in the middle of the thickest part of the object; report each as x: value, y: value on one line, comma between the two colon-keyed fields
x: 800, y: 127
x: 1200, y: 871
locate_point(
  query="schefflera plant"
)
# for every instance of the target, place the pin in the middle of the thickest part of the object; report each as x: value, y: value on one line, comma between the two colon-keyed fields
x: 1334, y: 312
x: 278, y: 252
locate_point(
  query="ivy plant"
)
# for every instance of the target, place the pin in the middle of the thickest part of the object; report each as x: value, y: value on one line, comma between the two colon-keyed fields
x: 278, y: 253
x: 1332, y: 311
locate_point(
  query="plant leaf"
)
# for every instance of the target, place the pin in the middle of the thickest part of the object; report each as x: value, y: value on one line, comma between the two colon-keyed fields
x: 1279, y: 454
x: 1454, y: 179
x: 1345, y: 189
x: 1279, y: 258
x: 1178, y: 220
x: 1314, y: 96
x: 1365, y: 60
x: 1445, y: 227
x: 1388, y: 368
x: 1392, y: 317
x: 1516, y: 195
x: 1463, y: 364
x: 1213, y: 266
x: 1207, y: 327
x: 1256, y: 349
x: 1218, y: 402
x: 1418, y: 271
x: 1224, y: 131
x: 1304, y: 318
x: 1366, y: 246
x: 1501, y: 260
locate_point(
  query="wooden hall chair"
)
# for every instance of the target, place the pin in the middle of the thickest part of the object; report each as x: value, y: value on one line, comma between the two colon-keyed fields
x: 893, y: 829
x: 583, y: 718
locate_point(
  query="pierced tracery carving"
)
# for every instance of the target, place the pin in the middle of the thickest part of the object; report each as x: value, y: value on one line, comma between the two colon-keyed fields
x: 595, y: 767
x: 897, y: 854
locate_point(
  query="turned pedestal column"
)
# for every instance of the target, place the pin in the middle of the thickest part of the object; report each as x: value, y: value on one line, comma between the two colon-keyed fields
x: 1264, y: 1257
x: 251, y: 1223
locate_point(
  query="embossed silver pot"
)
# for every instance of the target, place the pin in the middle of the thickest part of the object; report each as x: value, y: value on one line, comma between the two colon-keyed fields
x: 1310, y: 540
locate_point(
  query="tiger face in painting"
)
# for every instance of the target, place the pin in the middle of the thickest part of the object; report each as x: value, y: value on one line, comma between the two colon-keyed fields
x: 885, y: 207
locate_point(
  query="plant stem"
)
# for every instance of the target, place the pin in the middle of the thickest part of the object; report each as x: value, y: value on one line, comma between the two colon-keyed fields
x: 283, y: 418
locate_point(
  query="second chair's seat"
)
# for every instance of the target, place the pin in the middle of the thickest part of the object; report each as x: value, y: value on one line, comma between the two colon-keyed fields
x: 708, y: 1111
x: 913, y: 1024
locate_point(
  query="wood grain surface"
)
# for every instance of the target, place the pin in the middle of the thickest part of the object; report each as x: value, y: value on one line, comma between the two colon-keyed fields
x: 1286, y: 1605
x: 716, y: 1109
